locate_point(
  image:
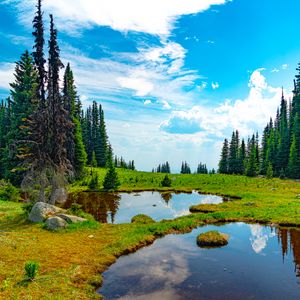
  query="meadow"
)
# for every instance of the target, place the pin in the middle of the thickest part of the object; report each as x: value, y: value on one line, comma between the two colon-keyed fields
x: 72, y: 260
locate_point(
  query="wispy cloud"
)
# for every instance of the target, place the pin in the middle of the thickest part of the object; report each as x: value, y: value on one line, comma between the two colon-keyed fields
x: 153, y: 17
x: 6, y: 74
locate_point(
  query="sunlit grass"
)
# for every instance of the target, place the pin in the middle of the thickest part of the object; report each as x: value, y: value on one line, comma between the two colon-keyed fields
x: 72, y: 260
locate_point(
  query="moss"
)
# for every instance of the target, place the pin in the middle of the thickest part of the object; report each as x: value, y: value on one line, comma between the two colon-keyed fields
x: 212, y: 239
x: 142, y: 219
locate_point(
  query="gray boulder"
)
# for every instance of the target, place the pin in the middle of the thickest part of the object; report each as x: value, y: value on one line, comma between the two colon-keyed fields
x: 55, y: 223
x: 71, y: 219
x: 59, y: 196
x: 41, y: 211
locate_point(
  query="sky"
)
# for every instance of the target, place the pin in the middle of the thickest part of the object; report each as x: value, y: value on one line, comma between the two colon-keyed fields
x: 175, y: 77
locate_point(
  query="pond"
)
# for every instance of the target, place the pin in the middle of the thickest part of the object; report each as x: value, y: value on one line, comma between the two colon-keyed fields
x: 120, y: 208
x: 258, y: 263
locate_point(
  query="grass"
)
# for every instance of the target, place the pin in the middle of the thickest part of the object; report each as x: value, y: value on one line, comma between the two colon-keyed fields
x: 71, y: 261
x: 212, y: 239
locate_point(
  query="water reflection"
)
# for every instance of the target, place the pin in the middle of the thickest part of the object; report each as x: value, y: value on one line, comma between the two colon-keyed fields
x: 120, y: 208
x: 290, y: 244
x: 175, y: 268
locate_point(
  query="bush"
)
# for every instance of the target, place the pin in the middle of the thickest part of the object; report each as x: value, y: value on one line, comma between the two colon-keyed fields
x: 8, y: 192
x: 166, y: 182
x: 31, y: 269
x: 27, y: 207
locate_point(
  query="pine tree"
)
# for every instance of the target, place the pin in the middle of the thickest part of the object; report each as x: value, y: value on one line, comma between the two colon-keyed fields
x: 111, y: 180
x: 76, y: 153
x: 294, y: 159
x: 223, y: 164
x: 38, y: 54
x: 23, y: 104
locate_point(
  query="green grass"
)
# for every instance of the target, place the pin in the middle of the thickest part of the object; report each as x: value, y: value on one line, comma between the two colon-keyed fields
x: 71, y: 261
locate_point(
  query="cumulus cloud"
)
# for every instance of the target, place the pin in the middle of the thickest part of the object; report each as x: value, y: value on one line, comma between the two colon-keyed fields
x: 6, y: 74
x: 153, y: 17
x: 247, y: 115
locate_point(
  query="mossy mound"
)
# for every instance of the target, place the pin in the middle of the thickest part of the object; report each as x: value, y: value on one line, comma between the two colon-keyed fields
x: 212, y: 239
x: 142, y: 219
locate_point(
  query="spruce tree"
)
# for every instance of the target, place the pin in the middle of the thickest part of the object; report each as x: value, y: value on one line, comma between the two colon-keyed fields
x: 76, y: 153
x: 23, y: 104
x: 223, y: 164
x: 111, y: 180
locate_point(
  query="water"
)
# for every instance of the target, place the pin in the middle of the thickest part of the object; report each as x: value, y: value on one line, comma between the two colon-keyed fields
x: 258, y: 263
x: 120, y: 208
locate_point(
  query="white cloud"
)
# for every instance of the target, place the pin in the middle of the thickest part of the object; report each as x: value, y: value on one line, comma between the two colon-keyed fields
x: 247, y: 115
x: 6, y: 74
x: 153, y: 17
x: 284, y: 66
x: 215, y: 85
x: 275, y: 70
x: 141, y: 86
x: 147, y: 102
x: 166, y: 105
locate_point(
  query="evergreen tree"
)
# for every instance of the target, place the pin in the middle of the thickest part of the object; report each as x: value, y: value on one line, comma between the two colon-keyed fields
x: 38, y: 54
x: 76, y: 153
x: 223, y: 164
x: 111, y: 181
x: 23, y: 104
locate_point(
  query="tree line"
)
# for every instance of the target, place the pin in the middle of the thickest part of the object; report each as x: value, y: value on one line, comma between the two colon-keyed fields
x: 185, y: 169
x: 278, y: 152
x: 46, y: 138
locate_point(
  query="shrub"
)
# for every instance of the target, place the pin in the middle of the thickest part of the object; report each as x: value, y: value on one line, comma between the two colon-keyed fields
x: 8, y: 192
x: 166, y: 182
x: 31, y: 269
x: 27, y: 207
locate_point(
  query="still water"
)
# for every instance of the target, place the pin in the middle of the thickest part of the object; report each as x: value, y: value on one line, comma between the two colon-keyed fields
x: 120, y: 208
x: 258, y: 263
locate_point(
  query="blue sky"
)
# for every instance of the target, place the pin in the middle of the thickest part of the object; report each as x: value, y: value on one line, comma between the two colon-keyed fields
x: 174, y: 77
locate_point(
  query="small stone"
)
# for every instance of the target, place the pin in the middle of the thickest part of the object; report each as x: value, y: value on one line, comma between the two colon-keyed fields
x: 71, y: 218
x: 90, y: 236
x: 55, y: 223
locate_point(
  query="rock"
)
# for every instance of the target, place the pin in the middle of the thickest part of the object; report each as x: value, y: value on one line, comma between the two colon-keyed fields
x: 71, y: 219
x: 59, y: 196
x: 41, y: 210
x: 91, y: 236
x: 55, y: 223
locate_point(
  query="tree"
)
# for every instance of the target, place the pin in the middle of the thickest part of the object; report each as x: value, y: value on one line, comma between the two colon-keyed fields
x: 111, y: 180
x: 22, y: 104
x: 76, y: 153
x: 38, y: 54
x: 223, y: 164
x: 166, y: 182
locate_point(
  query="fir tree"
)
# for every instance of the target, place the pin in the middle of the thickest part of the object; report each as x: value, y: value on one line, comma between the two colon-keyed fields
x: 111, y: 181
x: 23, y: 104
x: 223, y: 164
x: 76, y: 153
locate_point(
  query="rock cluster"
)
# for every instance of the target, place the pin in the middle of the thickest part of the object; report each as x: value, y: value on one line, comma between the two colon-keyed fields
x: 53, y: 216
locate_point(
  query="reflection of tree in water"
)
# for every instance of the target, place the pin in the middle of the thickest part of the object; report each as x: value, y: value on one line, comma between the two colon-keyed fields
x: 166, y: 197
x: 97, y: 204
x: 290, y: 241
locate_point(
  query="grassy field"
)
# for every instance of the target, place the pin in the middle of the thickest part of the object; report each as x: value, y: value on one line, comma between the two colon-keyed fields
x: 71, y: 261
